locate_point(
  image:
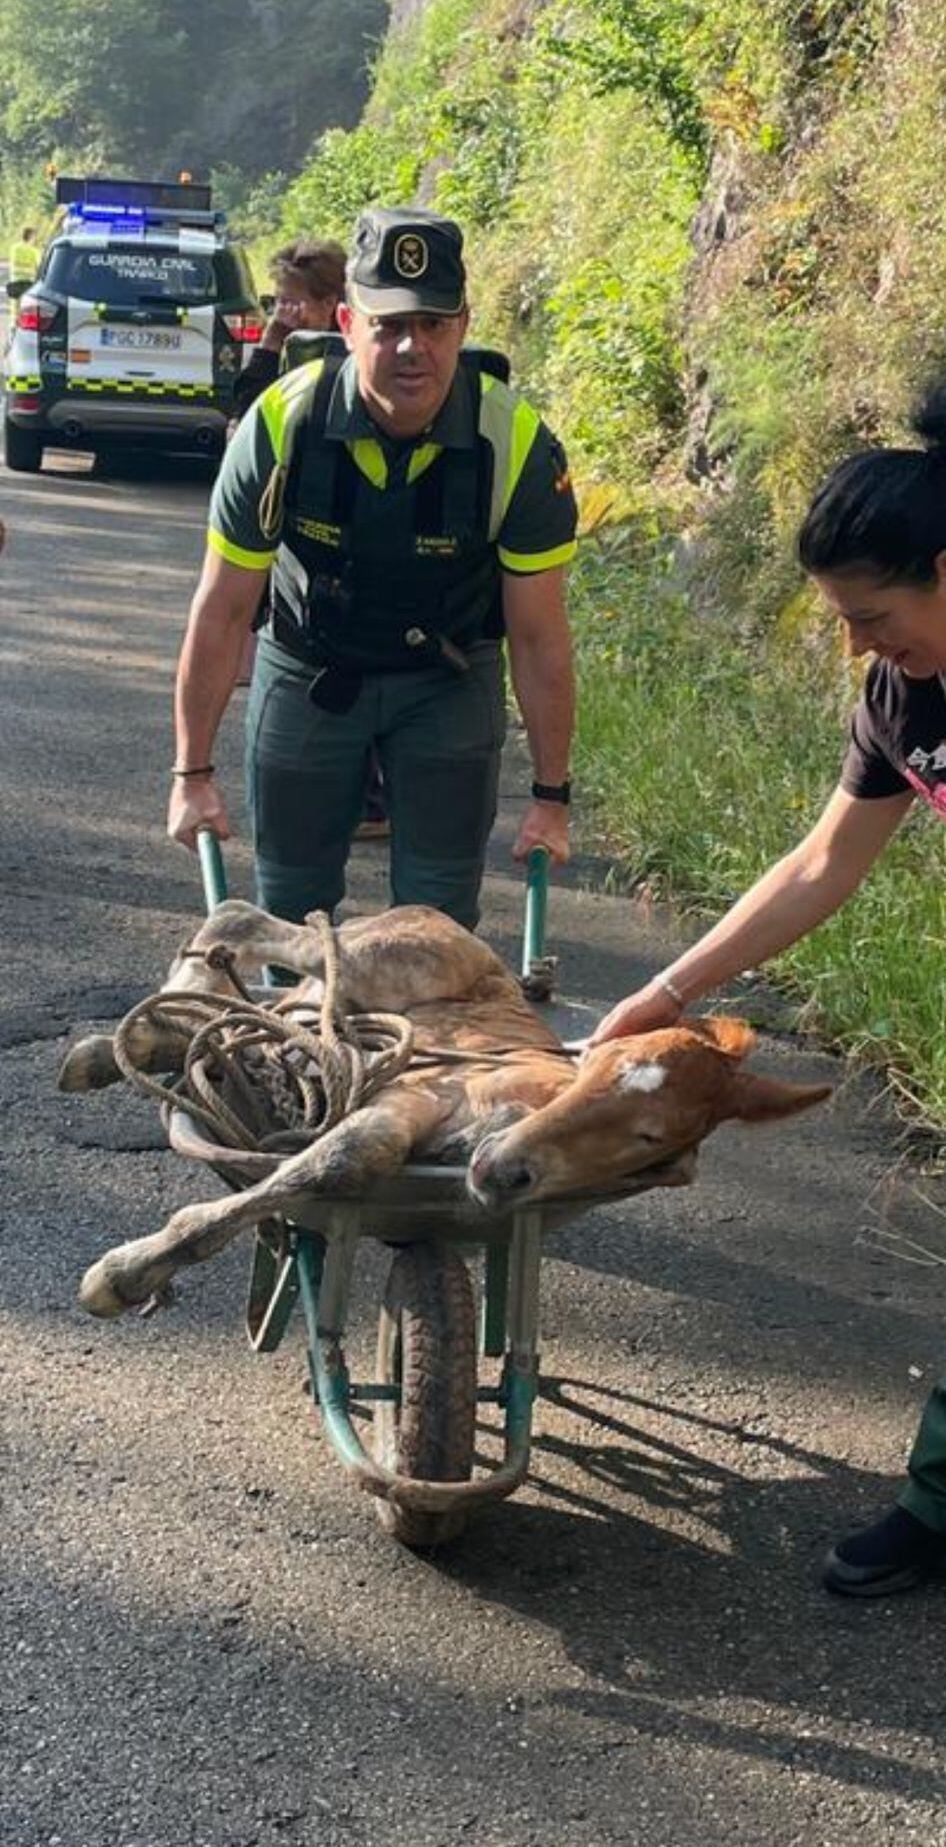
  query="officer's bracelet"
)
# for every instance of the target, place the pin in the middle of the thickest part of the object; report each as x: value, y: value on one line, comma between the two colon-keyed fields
x: 669, y: 987
x: 205, y: 769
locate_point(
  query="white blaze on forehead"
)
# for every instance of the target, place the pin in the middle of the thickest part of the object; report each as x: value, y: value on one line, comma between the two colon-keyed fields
x: 641, y: 1077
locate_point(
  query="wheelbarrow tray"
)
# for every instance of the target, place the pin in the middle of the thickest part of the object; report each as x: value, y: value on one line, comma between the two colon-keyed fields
x: 423, y: 1204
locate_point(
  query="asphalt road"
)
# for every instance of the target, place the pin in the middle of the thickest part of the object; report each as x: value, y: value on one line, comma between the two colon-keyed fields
x: 207, y: 1640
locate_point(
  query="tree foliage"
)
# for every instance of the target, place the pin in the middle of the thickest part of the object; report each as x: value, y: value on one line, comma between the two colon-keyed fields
x: 151, y: 86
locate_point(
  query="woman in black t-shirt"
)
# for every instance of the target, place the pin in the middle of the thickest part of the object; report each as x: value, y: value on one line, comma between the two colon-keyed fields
x: 874, y: 541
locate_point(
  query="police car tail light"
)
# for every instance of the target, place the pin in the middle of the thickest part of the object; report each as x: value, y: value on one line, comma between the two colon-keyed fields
x: 35, y: 316
x: 245, y: 329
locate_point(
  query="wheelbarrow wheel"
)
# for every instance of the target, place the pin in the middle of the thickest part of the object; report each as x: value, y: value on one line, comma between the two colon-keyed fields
x: 427, y: 1345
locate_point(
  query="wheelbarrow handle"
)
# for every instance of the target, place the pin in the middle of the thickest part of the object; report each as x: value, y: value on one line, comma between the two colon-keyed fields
x: 212, y: 869
x: 538, y: 969
x: 537, y: 892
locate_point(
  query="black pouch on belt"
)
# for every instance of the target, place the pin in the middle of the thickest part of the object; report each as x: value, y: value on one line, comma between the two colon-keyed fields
x: 334, y: 689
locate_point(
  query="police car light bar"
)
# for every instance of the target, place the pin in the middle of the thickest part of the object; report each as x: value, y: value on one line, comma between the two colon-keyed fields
x: 143, y: 201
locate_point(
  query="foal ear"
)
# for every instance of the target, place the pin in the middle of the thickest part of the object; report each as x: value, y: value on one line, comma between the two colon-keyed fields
x: 734, y: 1037
x: 753, y: 1098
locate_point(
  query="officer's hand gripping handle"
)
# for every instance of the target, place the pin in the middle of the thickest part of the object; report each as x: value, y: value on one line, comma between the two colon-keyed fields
x: 212, y: 869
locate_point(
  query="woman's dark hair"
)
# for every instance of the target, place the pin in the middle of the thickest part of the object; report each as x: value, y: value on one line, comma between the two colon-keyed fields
x: 319, y: 268
x: 884, y: 512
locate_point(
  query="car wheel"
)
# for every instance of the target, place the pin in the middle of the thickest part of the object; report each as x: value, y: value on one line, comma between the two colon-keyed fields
x: 23, y: 449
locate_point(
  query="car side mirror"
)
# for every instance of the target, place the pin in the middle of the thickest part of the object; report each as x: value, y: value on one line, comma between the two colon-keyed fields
x: 17, y: 288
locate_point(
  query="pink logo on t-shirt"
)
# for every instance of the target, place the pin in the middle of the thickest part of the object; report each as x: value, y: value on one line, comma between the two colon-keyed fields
x: 933, y: 793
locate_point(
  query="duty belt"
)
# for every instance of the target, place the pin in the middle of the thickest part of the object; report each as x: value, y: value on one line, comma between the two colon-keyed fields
x: 335, y: 686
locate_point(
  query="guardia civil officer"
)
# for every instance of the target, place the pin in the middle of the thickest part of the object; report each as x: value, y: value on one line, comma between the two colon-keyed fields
x: 23, y: 256
x: 413, y: 513
x: 874, y: 540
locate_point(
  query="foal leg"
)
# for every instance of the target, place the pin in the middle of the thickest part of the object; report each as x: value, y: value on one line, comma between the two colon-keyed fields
x: 375, y: 1141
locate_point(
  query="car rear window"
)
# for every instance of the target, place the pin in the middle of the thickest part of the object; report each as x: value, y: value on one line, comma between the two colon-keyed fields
x: 129, y: 275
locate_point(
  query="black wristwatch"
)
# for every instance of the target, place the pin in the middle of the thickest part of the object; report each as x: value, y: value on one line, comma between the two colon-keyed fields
x: 552, y: 792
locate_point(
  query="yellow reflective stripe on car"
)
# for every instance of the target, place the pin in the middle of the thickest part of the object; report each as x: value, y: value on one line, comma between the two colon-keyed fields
x: 537, y: 561
x: 141, y: 387
x: 276, y: 403
x: 29, y: 381
x: 369, y: 457
x: 237, y: 554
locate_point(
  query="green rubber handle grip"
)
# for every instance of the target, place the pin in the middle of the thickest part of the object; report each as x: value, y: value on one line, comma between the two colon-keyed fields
x: 212, y: 869
x: 537, y: 892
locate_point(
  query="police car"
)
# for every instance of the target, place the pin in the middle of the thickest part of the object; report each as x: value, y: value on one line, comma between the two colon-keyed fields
x: 140, y: 319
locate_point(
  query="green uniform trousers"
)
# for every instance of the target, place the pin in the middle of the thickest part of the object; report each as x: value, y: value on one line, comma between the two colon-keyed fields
x: 925, y: 1491
x: 438, y: 734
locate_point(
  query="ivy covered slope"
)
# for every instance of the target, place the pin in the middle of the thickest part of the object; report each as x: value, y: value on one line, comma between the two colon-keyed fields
x: 712, y: 236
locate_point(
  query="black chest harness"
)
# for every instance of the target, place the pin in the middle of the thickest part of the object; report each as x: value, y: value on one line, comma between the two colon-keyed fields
x: 382, y: 580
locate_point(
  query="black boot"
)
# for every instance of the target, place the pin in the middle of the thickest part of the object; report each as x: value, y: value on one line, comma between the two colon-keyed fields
x: 896, y: 1554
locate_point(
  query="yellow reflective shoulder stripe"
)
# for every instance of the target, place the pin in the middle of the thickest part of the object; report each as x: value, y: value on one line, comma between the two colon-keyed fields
x: 510, y: 426
x: 494, y: 425
x: 537, y: 561
x: 236, y: 554
x: 421, y: 460
x: 525, y: 425
x: 277, y: 402
x: 369, y: 457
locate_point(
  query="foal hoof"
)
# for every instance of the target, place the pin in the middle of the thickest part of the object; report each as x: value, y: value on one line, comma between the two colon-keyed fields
x: 90, y: 1065
x: 99, y: 1293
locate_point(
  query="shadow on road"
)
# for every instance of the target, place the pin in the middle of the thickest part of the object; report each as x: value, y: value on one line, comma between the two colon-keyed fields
x: 717, y: 1599
x: 143, y: 465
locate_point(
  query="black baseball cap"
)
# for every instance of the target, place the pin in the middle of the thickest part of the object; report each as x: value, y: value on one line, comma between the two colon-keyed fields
x: 406, y: 261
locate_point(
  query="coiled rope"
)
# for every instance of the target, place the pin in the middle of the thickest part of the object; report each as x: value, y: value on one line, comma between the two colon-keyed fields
x: 268, y: 1078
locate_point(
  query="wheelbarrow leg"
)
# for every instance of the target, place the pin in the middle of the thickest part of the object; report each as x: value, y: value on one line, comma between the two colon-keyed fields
x: 521, y: 1371
x: 495, y: 1298
x: 324, y: 1284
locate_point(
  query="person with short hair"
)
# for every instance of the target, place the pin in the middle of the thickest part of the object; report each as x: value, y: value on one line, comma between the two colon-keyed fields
x: 310, y: 282
x: 874, y: 542
x: 412, y: 512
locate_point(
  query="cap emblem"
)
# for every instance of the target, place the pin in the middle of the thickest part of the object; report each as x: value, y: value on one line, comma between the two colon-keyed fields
x: 411, y: 256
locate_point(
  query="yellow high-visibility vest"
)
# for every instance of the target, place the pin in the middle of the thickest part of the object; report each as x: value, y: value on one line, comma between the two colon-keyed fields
x: 24, y: 261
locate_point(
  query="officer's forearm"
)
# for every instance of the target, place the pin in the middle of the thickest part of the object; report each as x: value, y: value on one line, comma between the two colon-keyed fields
x: 544, y: 683
x: 206, y: 674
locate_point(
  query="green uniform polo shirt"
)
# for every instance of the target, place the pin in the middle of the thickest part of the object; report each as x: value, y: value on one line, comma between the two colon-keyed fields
x: 533, y: 514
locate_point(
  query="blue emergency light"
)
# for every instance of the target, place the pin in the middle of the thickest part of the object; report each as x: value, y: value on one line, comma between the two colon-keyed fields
x: 98, y: 199
x: 109, y: 214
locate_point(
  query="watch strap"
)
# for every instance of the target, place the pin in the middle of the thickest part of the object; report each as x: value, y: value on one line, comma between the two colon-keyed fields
x: 552, y: 792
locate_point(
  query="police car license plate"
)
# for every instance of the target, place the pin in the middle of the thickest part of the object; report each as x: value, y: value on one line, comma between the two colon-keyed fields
x: 142, y: 339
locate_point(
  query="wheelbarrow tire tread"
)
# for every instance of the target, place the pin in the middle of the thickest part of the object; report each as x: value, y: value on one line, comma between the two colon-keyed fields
x: 428, y: 1314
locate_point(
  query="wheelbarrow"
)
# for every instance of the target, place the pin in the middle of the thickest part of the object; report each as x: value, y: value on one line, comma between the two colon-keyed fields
x: 425, y: 1395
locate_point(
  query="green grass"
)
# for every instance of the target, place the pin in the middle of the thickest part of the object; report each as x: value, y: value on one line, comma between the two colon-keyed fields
x: 575, y: 141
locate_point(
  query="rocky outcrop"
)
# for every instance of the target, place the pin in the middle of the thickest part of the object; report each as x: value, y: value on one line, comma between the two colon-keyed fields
x: 719, y: 235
